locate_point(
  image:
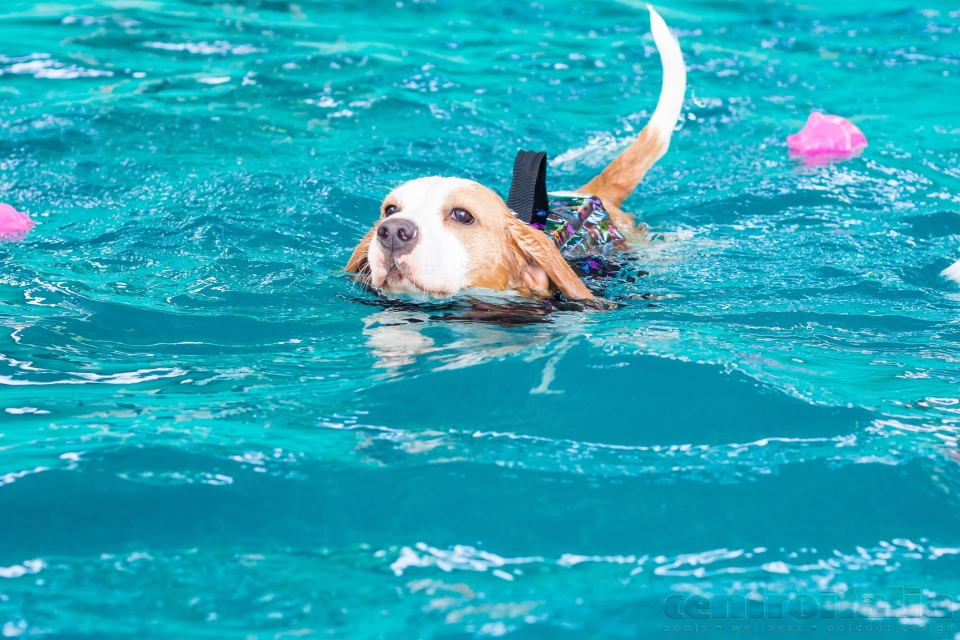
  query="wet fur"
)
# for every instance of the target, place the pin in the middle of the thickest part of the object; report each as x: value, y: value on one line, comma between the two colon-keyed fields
x: 497, y: 251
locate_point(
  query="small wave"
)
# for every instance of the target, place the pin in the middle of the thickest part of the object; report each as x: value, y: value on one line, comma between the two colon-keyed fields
x: 177, y: 478
x: 461, y: 557
x: 126, y: 377
x: 220, y: 47
x: 748, y: 569
x: 41, y: 65
x: 460, y: 588
x: 25, y: 568
x: 600, y: 149
x: 13, y: 476
x: 214, y: 79
x: 87, y: 21
x: 728, y: 462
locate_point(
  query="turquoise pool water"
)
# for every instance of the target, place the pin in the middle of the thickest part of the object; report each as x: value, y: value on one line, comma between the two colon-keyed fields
x: 206, y: 430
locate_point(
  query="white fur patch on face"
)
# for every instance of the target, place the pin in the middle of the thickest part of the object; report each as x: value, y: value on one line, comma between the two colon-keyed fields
x: 437, y: 264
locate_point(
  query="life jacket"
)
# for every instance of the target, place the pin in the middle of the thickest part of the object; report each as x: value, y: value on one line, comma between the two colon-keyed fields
x: 577, y: 224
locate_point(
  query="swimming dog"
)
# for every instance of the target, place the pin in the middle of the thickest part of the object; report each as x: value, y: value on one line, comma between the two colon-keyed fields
x: 440, y: 235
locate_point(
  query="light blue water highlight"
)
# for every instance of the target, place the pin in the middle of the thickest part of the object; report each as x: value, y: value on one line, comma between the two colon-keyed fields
x: 206, y: 430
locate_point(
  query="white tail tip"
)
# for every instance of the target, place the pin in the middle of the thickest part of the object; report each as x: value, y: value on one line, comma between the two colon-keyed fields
x: 952, y: 272
x: 674, y: 78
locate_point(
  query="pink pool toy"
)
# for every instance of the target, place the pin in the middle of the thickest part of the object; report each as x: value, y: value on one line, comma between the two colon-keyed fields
x: 13, y: 224
x: 825, y: 135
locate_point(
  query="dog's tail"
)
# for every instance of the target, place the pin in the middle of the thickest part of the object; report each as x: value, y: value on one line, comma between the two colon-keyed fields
x: 621, y: 176
x: 952, y: 272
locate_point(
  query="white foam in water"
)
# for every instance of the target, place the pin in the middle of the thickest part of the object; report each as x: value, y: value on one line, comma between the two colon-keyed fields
x: 206, y: 48
x: 18, y: 411
x: 126, y: 377
x: 462, y: 557
x: 27, y: 567
x: 723, y: 567
x: 41, y: 65
x: 13, y: 476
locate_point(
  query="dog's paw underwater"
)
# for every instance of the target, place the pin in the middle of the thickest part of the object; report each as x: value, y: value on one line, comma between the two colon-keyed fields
x: 439, y: 236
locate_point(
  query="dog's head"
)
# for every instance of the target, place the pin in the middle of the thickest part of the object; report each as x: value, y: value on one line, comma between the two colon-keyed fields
x: 440, y: 235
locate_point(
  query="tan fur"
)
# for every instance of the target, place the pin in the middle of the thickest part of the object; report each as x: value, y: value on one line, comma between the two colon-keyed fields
x: 358, y: 259
x: 618, y: 180
x: 508, y: 254
x: 504, y: 253
x: 483, y: 240
x: 497, y: 251
x: 538, y: 264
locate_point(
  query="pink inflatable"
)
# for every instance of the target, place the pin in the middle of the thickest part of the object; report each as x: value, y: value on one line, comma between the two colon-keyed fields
x: 13, y: 224
x: 827, y: 135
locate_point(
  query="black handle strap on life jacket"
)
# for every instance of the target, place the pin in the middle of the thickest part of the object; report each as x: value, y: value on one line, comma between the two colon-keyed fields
x: 528, y: 191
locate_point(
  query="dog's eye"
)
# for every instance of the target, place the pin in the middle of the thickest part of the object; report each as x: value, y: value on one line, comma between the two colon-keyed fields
x: 462, y: 216
x: 389, y: 210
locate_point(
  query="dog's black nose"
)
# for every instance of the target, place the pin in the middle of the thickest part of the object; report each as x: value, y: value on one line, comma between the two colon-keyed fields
x: 397, y: 235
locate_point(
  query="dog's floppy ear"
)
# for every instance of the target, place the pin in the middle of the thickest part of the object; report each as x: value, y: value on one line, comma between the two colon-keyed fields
x: 536, y: 250
x: 358, y: 260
